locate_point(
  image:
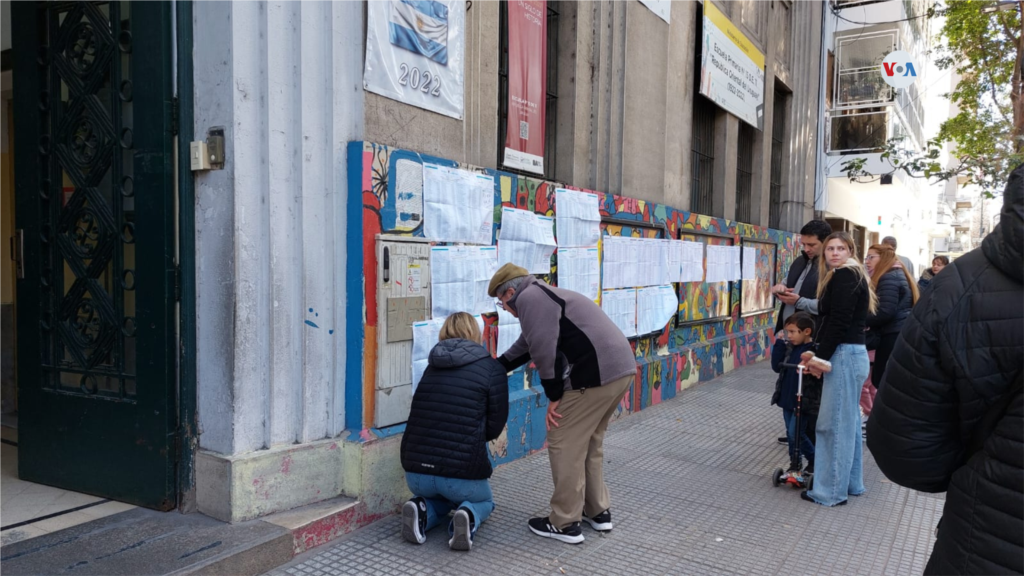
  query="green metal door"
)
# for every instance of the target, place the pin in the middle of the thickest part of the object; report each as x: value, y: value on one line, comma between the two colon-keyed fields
x: 95, y: 208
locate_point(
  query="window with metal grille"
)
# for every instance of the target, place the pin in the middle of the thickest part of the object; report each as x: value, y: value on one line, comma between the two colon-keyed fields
x: 702, y: 196
x: 551, y: 104
x: 778, y: 155
x: 745, y: 173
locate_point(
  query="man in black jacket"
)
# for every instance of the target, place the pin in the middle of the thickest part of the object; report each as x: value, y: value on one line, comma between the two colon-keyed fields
x: 800, y: 290
x: 950, y: 416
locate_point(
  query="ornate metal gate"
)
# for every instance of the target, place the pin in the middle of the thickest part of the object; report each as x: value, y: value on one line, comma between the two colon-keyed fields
x: 94, y: 194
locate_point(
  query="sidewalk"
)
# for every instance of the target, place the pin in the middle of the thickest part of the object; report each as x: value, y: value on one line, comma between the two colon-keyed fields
x: 691, y: 494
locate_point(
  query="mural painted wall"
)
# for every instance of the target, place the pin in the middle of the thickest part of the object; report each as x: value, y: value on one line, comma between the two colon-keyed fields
x: 709, y: 336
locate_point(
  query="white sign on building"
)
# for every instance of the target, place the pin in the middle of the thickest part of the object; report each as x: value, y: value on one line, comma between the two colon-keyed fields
x: 731, y: 68
x: 415, y: 53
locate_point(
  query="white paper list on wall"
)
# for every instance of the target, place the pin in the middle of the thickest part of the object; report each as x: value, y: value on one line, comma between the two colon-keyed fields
x: 459, y: 276
x: 424, y: 337
x: 579, y: 270
x: 621, y: 263
x: 578, y: 216
x: 749, y: 263
x: 719, y: 264
x: 655, y: 307
x: 526, y: 239
x: 509, y: 330
x: 458, y: 205
x: 735, y: 268
x: 693, y: 262
x: 620, y: 306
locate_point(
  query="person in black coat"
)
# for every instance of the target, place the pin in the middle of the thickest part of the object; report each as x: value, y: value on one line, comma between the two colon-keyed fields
x: 950, y: 415
x: 897, y: 295
x: 460, y: 404
x: 938, y: 263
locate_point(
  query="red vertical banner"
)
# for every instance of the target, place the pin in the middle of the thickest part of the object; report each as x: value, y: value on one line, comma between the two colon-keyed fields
x: 527, y: 84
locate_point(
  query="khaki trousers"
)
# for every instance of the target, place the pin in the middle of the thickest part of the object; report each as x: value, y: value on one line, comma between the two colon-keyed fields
x: 576, y: 451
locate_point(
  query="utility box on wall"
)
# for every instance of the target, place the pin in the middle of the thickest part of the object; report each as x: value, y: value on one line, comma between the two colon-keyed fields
x: 403, y: 297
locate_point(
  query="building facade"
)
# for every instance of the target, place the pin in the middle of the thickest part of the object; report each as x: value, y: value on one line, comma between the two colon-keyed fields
x: 864, y: 113
x: 257, y: 331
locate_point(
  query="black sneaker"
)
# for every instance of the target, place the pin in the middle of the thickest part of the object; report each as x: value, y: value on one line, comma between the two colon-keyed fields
x: 462, y: 524
x: 807, y: 497
x: 571, y: 534
x: 601, y: 522
x: 414, y: 520
x: 784, y: 440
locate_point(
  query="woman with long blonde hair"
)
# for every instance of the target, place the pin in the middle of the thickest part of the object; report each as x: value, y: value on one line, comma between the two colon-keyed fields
x: 897, y: 294
x: 460, y: 404
x: 845, y: 298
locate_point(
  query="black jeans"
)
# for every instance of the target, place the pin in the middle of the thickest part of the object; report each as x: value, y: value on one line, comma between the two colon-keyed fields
x: 882, y: 353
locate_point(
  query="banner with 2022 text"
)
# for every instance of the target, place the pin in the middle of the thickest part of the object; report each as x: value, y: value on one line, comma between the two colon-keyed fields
x: 415, y: 53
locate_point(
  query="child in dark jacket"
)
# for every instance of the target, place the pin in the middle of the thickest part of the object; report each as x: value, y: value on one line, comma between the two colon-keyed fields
x: 797, y: 339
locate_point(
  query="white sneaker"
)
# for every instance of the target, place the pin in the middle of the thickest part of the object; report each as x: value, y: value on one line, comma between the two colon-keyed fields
x: 414, y: 519
x: 462, y: 539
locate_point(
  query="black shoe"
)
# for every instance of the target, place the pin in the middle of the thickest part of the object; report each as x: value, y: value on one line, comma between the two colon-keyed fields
x: 601, y: 522
x: 793, y: 467
x: 784, y: 440
x: 414, y: 520
x: 807, y: 497
x: 571, y: 534
x: 462, y: 525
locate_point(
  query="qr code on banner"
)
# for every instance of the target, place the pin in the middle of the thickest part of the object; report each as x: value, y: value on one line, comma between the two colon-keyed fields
x: 524, y: 130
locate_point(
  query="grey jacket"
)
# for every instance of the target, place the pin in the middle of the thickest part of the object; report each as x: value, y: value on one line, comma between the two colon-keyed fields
x: 570, y: 339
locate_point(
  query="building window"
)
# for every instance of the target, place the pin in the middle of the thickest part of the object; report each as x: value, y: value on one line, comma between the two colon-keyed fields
x: 702, y: 196
x: 745, y: 172
x: 551, y: 104
x: 778, y: 155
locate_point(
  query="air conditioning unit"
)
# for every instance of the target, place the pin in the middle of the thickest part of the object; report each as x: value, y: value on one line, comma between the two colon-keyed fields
x: 940, y: 245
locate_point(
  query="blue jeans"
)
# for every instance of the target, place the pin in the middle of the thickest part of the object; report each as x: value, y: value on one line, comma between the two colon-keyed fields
x: 839, y: 467
x: 446, y: 494
x: 806, y: 444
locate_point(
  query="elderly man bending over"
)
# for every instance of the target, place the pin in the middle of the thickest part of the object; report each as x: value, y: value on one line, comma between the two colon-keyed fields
x: 586, y: 366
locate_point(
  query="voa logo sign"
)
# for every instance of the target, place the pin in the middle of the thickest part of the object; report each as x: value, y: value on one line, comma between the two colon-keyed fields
x: 899, y: 70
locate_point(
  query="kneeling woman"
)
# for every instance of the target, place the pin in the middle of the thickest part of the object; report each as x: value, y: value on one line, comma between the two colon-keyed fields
x: 461, y: 403
x: 844, y: 299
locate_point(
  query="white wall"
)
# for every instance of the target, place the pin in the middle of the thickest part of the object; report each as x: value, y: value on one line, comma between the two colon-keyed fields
x: 284, y: 80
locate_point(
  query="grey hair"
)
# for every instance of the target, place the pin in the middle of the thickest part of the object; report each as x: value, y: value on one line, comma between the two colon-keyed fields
x: 890, y: 241
x: 513, y: 283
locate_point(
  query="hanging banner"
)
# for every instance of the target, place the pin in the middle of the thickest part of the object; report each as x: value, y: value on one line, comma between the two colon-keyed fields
x: 660, y: 7
x: 527, y: 84
x: 731, y: 68
x: 415, y: 53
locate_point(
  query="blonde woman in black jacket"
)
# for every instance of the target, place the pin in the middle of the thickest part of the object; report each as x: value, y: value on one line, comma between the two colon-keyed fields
x: 460, y: 404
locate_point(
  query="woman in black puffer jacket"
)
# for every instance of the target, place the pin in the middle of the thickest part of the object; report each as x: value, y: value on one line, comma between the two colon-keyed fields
x: 897, y: 293
x: 460, y: 404
x: 950, y: 415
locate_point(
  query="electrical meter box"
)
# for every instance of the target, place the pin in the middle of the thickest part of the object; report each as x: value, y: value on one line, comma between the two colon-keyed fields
x: 403, y: 297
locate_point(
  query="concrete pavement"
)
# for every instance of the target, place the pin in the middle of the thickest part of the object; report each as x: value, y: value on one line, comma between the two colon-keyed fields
x: 691, y: 493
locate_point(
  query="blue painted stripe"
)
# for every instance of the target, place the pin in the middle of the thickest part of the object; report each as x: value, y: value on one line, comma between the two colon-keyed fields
x: 355, y: 331
x: 413, y: 42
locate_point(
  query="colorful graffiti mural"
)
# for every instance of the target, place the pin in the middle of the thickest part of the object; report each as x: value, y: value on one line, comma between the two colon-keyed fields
x: 709, y: 336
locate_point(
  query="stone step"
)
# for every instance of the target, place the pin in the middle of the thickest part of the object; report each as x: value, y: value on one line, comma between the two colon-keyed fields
x: 143, y: 541
x: 319, y: 523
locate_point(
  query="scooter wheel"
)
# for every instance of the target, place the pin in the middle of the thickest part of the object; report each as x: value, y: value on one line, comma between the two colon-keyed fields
x: 777, y: 477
